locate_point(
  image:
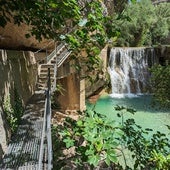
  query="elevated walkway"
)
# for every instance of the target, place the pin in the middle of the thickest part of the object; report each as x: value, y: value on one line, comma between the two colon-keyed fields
x: 31, y: 147
x: 24, y: 148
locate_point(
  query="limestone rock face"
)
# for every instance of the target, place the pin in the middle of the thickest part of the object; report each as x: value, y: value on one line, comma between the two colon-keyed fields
x: 13, y: 37
x: 100, y: 83
x: 18, y: 70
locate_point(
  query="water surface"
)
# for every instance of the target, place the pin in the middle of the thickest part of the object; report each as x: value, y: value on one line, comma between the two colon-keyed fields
x: 147, y: 115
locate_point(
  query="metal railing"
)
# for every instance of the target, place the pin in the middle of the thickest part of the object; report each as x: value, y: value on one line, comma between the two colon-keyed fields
x: 46, y: 131
x: 55, y: 51
x: 59, y: 57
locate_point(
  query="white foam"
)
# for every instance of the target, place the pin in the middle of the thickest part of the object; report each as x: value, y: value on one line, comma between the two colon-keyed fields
x: 125, y: 95
x: 128, y: 69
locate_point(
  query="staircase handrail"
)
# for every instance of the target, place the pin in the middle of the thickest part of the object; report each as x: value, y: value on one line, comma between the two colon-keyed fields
x: 54, y: 52
x: 63, y: 58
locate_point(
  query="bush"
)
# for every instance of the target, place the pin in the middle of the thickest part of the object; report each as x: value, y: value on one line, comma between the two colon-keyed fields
x: 142, y: 23
x: 13, y: 112
x: 100, y: 141
x: 160, y: 82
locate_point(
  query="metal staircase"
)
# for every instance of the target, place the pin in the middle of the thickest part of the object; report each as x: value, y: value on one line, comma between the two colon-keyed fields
x: 54, y: 60
x: 31, y: 146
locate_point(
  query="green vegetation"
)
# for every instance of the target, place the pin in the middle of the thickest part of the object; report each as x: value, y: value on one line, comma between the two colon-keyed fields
x: 96, y: 139
x: 142, y: 23
x: 7, y: 107
x: 86, y: 27
x: 161, y: 84
x: 88, y: 39
x: 51, y: 19
x: 47, y: 18
x: 13, y: 111
x: 134, y: 24
x: 100, y: 141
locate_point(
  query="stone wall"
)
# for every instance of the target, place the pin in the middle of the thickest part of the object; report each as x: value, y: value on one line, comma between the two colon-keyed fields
x: 13, y: 37
x: 18, y: 70
x: 100, y: 83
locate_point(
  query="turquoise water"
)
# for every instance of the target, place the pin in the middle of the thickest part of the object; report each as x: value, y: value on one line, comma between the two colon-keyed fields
x: 147, y: 116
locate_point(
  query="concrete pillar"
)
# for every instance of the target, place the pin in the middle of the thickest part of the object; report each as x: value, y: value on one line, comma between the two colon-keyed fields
x: 72, y: 93
x: 82, y: 95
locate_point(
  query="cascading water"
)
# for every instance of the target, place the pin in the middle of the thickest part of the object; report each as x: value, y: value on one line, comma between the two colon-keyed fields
x: 128, y: 68
x: 129, y: 72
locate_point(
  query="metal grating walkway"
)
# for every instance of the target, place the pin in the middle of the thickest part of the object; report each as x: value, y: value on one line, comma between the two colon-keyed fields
x: 31, y: 147
x: 23, y: 150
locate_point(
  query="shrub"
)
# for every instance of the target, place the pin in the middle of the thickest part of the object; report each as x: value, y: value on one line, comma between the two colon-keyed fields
x: 98, y: 141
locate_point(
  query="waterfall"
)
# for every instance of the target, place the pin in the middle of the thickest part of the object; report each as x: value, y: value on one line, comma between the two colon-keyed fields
x: 128, y: 69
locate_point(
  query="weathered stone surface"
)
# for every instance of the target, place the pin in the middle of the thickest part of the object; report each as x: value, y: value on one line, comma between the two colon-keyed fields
x: 96, y: 87
x: 3, y: 135
x: 13, y: 37
x: 18, y: 70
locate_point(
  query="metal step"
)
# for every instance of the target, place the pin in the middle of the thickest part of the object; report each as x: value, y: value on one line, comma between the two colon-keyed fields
x: 46, y: 69
x: 44, y: 78
x: 44, y: 74
x: 47, y: 65
x: 62, y: 54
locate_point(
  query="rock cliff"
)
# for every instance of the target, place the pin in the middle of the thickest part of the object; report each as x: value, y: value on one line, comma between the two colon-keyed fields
x: 18, y: 71
x: 13, y: 37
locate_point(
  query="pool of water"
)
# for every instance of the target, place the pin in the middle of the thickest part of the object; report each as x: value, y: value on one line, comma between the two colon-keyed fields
x: 147, y: 115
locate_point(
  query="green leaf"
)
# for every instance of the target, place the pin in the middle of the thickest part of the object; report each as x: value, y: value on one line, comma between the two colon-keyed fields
x: 89, y: 151
x: 53, y: 5
x: 107, y: 160
x: 69, y: 142
x: 112, y: 157
x: 94, y: 160
x: 99, y: 146
x: 79, y: 123
x: 91, y: 113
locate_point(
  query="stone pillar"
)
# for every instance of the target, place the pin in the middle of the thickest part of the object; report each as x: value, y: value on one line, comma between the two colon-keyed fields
x: 72, y: 93
x: 82, y: 95
x: 104, y: 57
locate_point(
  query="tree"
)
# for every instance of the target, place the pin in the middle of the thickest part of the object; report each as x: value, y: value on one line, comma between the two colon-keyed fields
x: 46, y: 18
x: 161, y: 27
x: 89, y: 37
x: 51, y: 19
x: 141, y: 23
x: 161, y: 84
